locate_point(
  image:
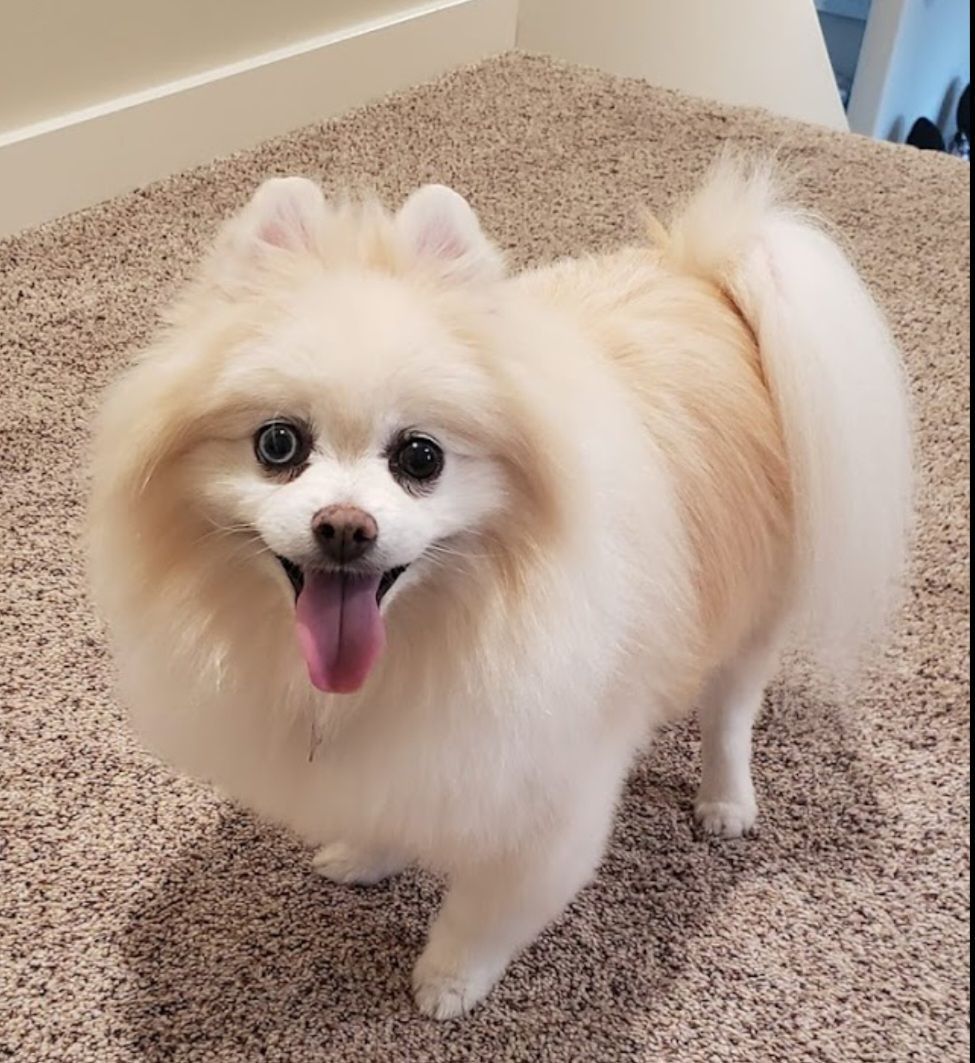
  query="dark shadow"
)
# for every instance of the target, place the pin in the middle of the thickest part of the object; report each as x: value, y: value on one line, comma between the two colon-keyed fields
x: 898, y: 130
x: 239, y: 952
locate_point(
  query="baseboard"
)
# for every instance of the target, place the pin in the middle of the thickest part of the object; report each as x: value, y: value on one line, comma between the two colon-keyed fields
x: 55, y: 167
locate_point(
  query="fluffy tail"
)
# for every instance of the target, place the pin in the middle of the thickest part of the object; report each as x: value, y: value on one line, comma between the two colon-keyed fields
x: 836, y: 379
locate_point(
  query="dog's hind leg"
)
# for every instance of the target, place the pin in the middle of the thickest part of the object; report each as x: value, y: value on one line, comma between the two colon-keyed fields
x: 730, y: 703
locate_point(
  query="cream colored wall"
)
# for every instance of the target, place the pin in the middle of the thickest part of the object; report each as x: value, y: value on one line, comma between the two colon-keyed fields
x: 59, y: 56
x: 153, y: 103
x: 764, y: 53
x: 101, y: 96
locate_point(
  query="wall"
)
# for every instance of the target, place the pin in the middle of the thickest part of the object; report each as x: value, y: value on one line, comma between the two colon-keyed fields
x: 916, y: 59
x: 844, y: 39
x: 101, y: 96
x: 57, y: 56
x: 766, y: 53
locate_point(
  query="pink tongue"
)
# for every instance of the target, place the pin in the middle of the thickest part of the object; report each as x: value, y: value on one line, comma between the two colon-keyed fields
x: 340, y: 630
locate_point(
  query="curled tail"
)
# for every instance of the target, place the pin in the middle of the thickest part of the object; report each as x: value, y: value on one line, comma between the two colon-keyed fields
x: 836, y: 380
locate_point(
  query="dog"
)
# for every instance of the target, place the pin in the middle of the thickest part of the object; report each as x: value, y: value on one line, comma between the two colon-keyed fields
x: 412, y: 555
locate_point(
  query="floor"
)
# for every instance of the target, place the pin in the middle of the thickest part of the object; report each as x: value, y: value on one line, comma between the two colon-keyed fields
x: 141, y: 918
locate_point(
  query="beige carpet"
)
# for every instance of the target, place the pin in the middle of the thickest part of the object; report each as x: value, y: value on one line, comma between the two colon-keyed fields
x: 143, y: 919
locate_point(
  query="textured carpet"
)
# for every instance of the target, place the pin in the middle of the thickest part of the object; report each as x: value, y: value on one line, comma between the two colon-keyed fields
x: 144, y: 919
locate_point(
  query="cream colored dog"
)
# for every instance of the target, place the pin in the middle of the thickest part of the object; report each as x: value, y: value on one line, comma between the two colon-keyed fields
x: 412, y: 556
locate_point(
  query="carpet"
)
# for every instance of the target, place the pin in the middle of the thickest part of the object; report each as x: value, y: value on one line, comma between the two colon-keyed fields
x: 142, y: 918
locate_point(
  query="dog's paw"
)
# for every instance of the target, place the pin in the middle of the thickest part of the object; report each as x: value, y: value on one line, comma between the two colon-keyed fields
x: 445, y: 990
x: 347, y: 865
x: 727, y: 819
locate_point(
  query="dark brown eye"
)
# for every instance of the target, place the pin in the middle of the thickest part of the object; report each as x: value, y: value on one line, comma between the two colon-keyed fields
x: 280, y: 445
x: 418, y: 459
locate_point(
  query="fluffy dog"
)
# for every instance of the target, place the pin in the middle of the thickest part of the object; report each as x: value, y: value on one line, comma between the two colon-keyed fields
x: 412, y: 555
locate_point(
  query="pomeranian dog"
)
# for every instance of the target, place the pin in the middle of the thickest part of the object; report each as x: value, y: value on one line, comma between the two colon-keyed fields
x: 412, y: 556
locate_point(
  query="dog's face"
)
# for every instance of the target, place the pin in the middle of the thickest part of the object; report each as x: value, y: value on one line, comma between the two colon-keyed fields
x: 360, y: 456
x: 352, y: 425
x: 364, y: 469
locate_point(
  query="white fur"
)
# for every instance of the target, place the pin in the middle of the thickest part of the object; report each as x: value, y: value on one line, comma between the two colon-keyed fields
x: 836, y: 378
x: 492, y: 741
x: 440, y: 227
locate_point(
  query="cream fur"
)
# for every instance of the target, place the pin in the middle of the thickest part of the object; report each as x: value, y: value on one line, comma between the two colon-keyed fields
x: 659, y: 463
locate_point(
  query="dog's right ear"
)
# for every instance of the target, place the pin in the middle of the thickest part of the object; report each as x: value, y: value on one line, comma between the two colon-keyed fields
x: 284, y: 215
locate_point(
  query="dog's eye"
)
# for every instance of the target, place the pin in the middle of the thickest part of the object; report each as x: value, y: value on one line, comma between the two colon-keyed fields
x: 417, y: 458
x: 280, y: 445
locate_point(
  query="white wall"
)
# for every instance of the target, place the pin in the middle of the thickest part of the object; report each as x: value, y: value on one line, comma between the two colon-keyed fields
x: 765, y: 53
x: 101, y: 96
x: 916, y: 59
x: 58, y: 56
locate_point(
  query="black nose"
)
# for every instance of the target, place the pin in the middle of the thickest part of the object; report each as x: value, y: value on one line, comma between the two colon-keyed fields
x: 344, y: 533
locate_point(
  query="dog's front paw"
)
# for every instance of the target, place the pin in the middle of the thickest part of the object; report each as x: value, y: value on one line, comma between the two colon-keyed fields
x: 444, y: 989
x: 728, y: 819
x: 348, y: 865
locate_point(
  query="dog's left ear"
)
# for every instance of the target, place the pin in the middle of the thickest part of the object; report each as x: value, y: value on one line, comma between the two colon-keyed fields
x: 283, y: 215
x: 441, y: 229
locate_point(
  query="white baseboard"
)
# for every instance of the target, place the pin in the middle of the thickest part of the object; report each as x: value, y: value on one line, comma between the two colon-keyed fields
x: 54, y: 167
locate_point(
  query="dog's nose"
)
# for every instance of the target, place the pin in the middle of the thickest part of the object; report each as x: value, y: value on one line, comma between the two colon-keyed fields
x: 344, y: 533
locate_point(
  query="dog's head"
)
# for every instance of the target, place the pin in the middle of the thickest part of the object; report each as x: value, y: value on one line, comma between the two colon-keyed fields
x: 332, y: 419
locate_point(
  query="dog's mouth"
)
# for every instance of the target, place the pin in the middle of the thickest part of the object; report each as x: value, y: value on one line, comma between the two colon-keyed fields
x: 339, y: 624
x: 296, y: 575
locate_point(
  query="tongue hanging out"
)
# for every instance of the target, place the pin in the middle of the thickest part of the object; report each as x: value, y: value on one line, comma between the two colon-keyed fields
x: 340, y: 630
